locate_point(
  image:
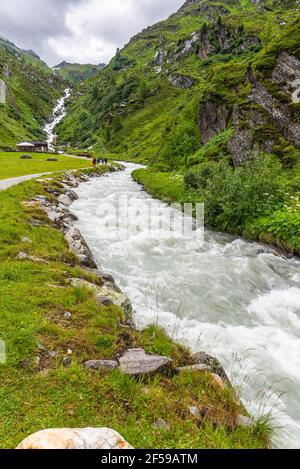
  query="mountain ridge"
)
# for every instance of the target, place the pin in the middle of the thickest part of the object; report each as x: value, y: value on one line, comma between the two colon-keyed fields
x: 76, y: 73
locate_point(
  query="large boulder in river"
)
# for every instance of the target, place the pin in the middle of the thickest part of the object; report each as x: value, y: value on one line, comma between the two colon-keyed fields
x: 136, y: 362
x: 67, y: 438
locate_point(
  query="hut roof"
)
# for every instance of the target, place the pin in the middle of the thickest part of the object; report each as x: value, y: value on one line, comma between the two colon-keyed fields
x: 25, y: 144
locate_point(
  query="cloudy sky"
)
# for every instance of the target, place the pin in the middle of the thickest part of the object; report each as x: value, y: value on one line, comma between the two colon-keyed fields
x: 78, y: 30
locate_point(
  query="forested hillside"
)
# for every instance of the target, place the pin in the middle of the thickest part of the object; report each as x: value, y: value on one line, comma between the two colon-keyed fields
x: 211, y: 93
x: 28, y: 90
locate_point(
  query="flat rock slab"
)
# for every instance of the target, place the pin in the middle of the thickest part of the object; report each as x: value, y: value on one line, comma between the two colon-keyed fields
x: 136, y: 362
x: 65, y: 200
x: 67, y: 438
x: 101, y: 364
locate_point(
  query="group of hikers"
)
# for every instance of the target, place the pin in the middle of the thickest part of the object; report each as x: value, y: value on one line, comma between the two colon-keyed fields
x: 97, y: 161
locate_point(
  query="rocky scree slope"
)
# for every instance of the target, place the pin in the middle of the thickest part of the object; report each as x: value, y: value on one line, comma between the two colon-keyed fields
x: 28, y: 90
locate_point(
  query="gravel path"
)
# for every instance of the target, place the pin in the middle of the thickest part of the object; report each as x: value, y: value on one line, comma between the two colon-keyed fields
x: 6, y: 183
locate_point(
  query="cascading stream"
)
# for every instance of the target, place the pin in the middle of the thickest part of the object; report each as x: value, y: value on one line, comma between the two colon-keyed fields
x: 232, y: 298
x: 59, y: 112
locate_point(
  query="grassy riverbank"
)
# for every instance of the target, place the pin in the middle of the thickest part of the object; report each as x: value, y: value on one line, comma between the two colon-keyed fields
x: 43, y: 381
x: 255, y: 201
x: 12, y: 166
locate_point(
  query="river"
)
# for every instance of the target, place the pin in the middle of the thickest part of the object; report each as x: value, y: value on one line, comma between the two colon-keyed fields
x: 232, y: 298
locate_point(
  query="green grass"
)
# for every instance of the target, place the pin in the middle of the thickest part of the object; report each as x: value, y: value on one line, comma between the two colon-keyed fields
x: 168, y: 187
x: 39, y: 392
x: 12, y: 166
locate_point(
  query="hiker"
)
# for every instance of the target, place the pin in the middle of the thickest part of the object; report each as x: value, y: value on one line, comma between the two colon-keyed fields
x: 94, y: 162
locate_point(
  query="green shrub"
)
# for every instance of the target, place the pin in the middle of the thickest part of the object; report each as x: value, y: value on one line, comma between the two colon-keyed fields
x: 234, y: 196
x: 198, y: 177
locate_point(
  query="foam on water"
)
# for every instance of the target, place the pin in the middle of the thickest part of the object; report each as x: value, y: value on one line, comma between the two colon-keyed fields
x: 231, y: 298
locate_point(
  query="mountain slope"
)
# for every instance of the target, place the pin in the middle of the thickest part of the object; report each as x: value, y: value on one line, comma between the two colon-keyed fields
x: 175, y: 62
x: 28, y: 89
x: 211, y: 89
x: 77, y: 73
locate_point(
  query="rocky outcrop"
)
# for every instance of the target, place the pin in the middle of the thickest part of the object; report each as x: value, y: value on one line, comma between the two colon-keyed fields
x: 79, y: 247
x: 101, y: 364
x: 2, y: 92
x: 240, y: 146
x: 287, y: 70
x: 270, y: 118
x: 212, y: 363
x: 212, y: 119
x: 219, y: 38
x: 136, y: 362
x: 67, y: 438
x: 180, y: 81
x: 276, y: 110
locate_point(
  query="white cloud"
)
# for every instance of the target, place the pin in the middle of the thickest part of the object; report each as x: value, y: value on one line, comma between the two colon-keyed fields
x: 79, y: 30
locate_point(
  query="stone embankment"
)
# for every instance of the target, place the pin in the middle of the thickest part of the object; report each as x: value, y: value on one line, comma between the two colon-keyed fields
x: 134, y: 362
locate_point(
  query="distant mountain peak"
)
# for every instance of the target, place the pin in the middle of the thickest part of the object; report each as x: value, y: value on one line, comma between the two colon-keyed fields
x: 34, y: 54
x: 62, y: 64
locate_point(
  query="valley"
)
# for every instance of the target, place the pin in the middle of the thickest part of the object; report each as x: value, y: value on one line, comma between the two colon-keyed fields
x: 200, y: 108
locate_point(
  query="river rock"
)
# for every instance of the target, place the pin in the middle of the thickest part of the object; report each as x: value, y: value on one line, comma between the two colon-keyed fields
x: 198, y: 367
x: 106, y: 295
x: 83, y: 259
x: 212, y: 363
x: 54, y: 215
x: 26, y: 240
x: 160, y: 424
x: 72, y: 195
x: 244, y: 421
x: 67, y: 438
x: 194, y: 411
x: 22, y: 256
x: 217, y: 381
x: 65, y: 200
x: 136, y: 362
x: 101, y: 364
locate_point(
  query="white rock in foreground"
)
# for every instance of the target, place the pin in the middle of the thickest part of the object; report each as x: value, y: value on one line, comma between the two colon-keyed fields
x: 68, y: 438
